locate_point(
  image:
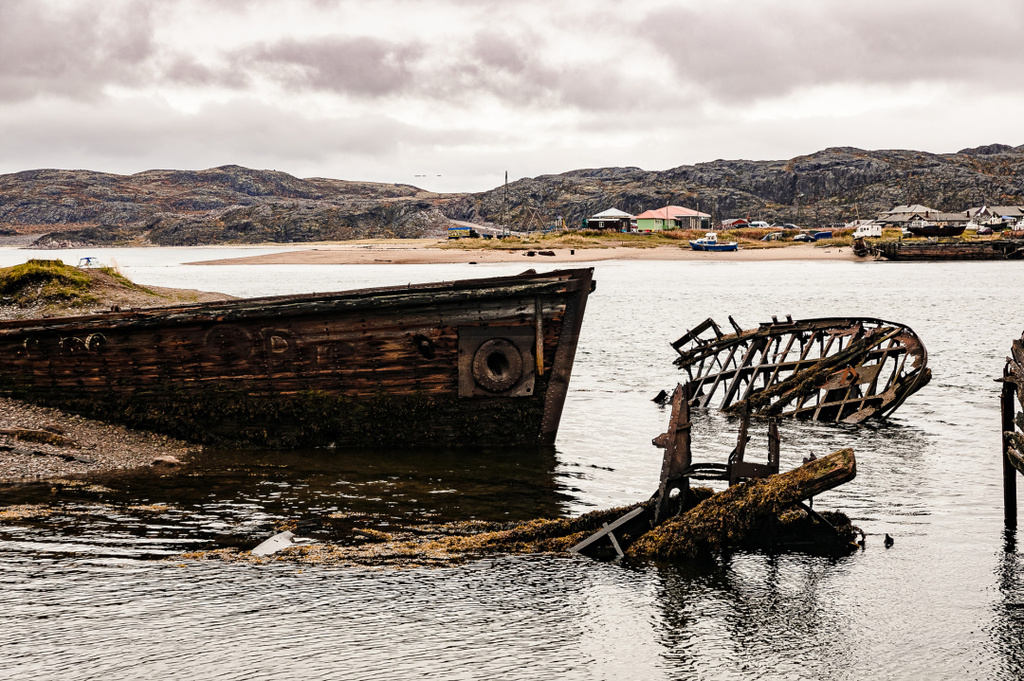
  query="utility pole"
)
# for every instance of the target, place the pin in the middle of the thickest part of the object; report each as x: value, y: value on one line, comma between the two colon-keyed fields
x: 504, y: 207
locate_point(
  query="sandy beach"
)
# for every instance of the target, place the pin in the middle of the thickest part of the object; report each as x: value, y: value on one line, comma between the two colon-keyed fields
x: 428, y: 251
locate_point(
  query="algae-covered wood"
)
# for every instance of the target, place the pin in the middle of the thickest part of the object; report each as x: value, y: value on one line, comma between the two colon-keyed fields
x: 483, y: 361
x: 739, y: 515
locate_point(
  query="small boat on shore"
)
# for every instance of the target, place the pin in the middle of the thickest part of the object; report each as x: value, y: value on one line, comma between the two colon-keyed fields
x: 922, y: 228
x: 474, y: 362
x: 710, y: 242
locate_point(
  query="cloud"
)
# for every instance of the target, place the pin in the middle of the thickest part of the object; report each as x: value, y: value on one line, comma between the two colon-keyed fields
x: 358, y: 66
x: 71, y: 49
x: 409, y: 87
x: 744, y: 50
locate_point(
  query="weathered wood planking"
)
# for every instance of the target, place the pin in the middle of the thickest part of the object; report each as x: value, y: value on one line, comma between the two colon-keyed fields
x: 397, y: 365
x: 996, y: 249
x: 829, y: 369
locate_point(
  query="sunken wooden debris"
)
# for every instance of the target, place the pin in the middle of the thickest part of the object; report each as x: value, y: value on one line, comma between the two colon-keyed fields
x: 674, y: 524
x: 1011, y: 401
x: 474, y: 362
x: 838, y: 369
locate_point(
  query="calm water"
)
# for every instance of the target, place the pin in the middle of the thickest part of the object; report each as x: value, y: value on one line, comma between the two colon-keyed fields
x: 86, y: 598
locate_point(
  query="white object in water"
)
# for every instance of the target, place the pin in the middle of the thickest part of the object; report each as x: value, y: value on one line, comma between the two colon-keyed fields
x: 279, y: 542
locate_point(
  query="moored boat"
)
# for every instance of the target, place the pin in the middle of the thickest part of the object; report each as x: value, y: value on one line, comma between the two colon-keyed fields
x: 922, y: 228
x: 955, y: 249
x: 475, y: 362
x: 710, y: 242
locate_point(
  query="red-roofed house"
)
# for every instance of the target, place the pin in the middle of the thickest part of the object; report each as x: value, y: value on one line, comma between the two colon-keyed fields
x: 672, y: 217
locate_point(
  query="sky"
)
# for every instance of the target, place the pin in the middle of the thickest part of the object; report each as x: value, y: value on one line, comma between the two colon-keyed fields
x: 449, y: 95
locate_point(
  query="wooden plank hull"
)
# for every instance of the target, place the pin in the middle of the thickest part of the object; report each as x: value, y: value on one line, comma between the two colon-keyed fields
x: 999, y: 249
x: 839, y: 369
x: 476, y: 362
x: 937, y: 230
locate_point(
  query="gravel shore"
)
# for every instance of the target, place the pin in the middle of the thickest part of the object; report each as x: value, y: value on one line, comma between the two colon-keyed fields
x: 38, y: 443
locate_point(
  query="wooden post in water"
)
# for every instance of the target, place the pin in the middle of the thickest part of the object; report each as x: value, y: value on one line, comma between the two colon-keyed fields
x: 1009, y: 472
x: 677, y: 455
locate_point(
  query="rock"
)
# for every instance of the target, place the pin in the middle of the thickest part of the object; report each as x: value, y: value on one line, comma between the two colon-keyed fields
x: 232, y: 204
x: 829, y: 186
x: 225, y: 204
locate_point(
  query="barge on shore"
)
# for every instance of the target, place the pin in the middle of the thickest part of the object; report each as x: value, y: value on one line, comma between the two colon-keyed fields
x: 994, y: 249
x: 474, y: 362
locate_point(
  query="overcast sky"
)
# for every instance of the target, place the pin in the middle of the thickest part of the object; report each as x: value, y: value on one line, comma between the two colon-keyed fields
x: 449, y: 94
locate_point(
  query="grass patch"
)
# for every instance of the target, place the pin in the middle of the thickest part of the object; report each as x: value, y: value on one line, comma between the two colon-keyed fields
x: 114, y: 273
x: 50, y: 286
x: 45, y: 282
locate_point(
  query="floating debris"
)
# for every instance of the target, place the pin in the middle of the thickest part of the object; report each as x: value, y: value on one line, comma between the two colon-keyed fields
x: 839, y: 369
x: 279, y: 542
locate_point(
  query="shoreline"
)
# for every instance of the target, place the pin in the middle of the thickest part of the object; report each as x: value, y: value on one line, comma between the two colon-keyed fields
x: 427, y: 252
x: 42, y: 443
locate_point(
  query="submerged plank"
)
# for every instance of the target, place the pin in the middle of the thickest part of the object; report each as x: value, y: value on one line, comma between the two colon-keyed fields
x: 741, y: 515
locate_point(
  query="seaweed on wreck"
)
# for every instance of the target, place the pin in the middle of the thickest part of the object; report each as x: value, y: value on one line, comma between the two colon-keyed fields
x: 742, y: 516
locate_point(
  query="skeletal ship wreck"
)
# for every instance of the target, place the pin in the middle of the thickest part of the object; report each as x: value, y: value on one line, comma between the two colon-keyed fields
x: 474, y: 362
x: 839, y: 369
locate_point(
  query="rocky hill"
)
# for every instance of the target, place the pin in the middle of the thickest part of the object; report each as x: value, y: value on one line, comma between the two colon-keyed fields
x: 232, y: 204
x: 229, y: 204
x: 830, y: 186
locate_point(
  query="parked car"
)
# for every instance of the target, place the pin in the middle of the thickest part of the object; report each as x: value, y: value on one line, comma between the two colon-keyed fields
x: 818, y: 236
x: 803, y: 237
x: 760, y: 224
x: 774, y: 236
x: 984, y: 229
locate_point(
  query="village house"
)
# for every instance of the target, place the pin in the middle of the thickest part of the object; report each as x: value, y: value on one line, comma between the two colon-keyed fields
x: 997, y: 216
x: 612, y: 219
x: 901, y: 216
x: 672, y: 217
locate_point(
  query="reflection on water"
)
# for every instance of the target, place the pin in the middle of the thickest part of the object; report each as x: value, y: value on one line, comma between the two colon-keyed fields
x: 1007, y: 643
x: 84, y: 600
x: 234, y: 498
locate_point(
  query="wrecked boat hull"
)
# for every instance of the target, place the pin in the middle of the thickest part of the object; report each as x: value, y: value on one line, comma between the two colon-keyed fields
x: 996, y: 249
x: 475, y: 362
x: 829, y: 369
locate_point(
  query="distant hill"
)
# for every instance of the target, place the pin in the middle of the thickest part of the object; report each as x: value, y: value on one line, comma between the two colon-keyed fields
x: 232, y: 204
x: 229, y: 204
x: 830, y: 186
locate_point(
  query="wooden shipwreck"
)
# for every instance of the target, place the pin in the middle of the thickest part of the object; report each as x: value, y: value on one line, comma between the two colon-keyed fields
x: 475, y: 362
x: 675, y: 524
x: 948, y: 249
x: 840, y: 369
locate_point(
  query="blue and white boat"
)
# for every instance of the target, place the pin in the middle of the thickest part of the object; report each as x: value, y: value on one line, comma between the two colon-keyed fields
x: 710, y: 242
